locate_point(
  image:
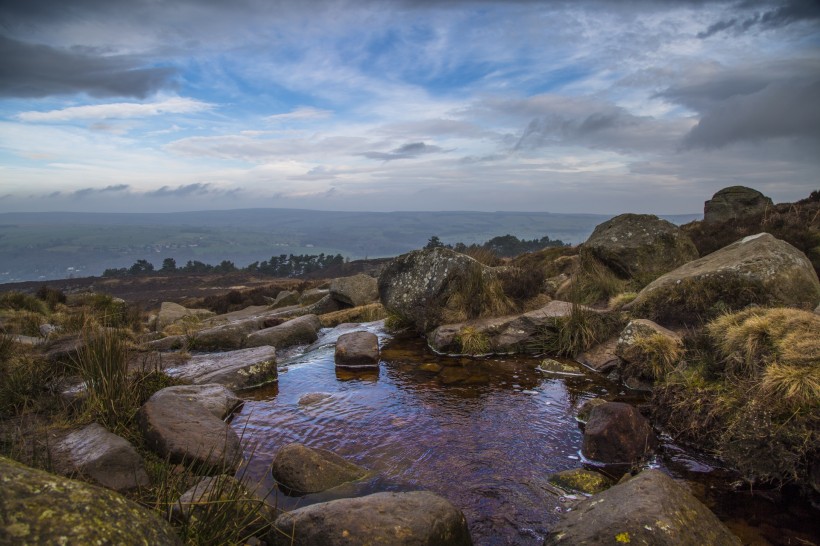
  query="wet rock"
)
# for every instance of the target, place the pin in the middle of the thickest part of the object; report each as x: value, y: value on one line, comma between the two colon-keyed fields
x: 357, y: 350
x: 297, y: 331
x: 414, y: 518
x: 365, y: 313
x: 581, y: 480
x: 602, y: 358
x: 41, y: 508
x: 617, y: 433
x: 356, y: 290
x: 313, y: 398
x: 285, y: 298
x: 733, y: 203
x: 170, y: 312
x: 313, y: 295
x: 639, y: 246
x: 554, y: 367
x: 237, y: 370
x: 431, y: 367
x: 218, y: 399
x: 758, y: 269
x: 648, y: 509
x: 186, y: 432
x: 105, y: 458
x: 586, y: 409
x: 303, y: 470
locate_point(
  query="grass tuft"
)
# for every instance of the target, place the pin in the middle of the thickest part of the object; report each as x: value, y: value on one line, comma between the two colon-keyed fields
x: 657, y: 355
x: 473, y: 342
x: 581, y: 330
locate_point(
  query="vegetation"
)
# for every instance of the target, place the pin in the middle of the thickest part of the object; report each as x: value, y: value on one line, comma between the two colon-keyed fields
x: 473, y: 342
x: 476, y: 293
x: 581, y: 330
x: 655, y: 355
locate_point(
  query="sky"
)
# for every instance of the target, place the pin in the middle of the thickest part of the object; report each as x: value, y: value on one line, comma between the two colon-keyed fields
x: 647, y: 106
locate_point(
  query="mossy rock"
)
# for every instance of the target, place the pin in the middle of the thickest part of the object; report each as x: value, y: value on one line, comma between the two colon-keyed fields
x: 581, y: 481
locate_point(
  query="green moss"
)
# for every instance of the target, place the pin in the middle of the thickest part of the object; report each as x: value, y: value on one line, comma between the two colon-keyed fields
x: 581, y: 480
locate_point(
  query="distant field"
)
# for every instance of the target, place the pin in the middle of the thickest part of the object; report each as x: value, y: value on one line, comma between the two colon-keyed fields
x: 59, y: 245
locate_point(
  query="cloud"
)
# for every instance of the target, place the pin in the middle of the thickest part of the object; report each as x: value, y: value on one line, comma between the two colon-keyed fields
x: 182, y: 191
x: 87, y: 192
x: 406, y: 151
x: 781, y: 15
x: 303, y: 113
x: 119, y: 110
x: 36, y: 70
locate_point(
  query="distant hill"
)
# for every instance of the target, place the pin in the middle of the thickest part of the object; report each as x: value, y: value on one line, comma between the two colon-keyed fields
x: 63, y: 244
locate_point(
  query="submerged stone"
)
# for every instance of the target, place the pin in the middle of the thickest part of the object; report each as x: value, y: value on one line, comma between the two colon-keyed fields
x: 581, y: 480
x: 303, y: 469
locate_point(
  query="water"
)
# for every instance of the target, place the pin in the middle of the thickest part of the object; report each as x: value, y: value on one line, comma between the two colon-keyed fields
x: 483, y: 433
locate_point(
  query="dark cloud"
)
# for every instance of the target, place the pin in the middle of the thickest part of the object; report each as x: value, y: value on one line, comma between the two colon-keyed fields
x: 772, y: 16
x: 603, y: 129
x: 36, y: 70
x: 87, y: 192
x: 182, y: 191
x: 406, y: 151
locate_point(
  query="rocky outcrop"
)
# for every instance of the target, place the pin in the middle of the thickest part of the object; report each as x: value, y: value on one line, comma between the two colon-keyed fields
x: 313, y: 295
x: 41, y: 508
x: 303, y: 470
x: 297, y: 331
x: 356, y: 290
x: 733, y: 203
x: 639, y: 246
x: 105, y: 458
x: 650, y: 509
x: 236, y: 370
x: 617, y: 433
x: 219, y: 400
x: 758, y: 269
x: 414, y: 518
x: 581, y: 480
x: 170, y: 312
x: 357, y: 350
x: 185, y: 432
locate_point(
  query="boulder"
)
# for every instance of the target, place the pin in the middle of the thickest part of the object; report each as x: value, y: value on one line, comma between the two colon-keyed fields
x: 225, y: 337
x: 186, y: 432
x: 431, y: 287
x: 581, y: 480
x: 759, y: 269
x: 413, y: 518
x: 733, y: 203
x: 356, y: 290
x: 602, y: 358
x: 357, y: 350
x: 303, y: 469
x: 285, y: 298
x: 365, y: 313
x: 586, y: 409
x: 218, y: 399
x: 297, y: 331
x: 617, y: 433
x: 313, y: 295
x: 237, y: 370
x: 41, y: 508
x: 325, y: 305
x: 170, y: 312
x: 648, y: 350
x: 639, y: 246
x: 650, y: 509
x: 105, y: 458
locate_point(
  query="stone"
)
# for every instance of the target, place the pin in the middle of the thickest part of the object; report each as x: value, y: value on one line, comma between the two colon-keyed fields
x: 581, y: 480
x: 170, y: 312
x: 602, y: 358
x: 639, y: 246
x: 357, y: 350
x: 733, y: 203
x: 105, y: 458
x: 303, y: 469
x: 187, y: 433
x: 366, y: 313
x: 297, y: 331
x: 285, y: 298
x: 398, y: 519
x: 313, y: 398
x: 586, y: 409
x: 758, y: 269
x: 324, y: 306
x: 41, y: 508
x: 650, y: 509
x: 225, y: 337
x: 313, y: 295
x: 551, y: 366
x: 236, y: 370
x: 356, y: 290
x: 218, y: 399
x: 617, y: 433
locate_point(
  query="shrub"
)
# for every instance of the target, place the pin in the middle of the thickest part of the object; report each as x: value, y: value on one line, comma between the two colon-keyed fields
x: 17, y: 301
x: 522, y: 283
x: 51, y: 296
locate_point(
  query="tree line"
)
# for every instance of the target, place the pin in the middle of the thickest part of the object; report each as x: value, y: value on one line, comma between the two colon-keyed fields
x: 278, y: 266
x: 503, y: 246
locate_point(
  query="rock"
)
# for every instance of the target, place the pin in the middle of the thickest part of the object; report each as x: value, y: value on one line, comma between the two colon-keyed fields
x: 434, y: 286
x: 167, y: 343
x: 648, y: 350
x: 617, y: 433
x: 47, y: 330
x: 554, y: 367
x: 648, y: 509
x: 107, y: 459
x: 237, y: 370
x: 41, y: 508
x: 313, y: 295
x: 414, y: 518
x: 733, y: 203
x: 365, y: 313
x: 297, y: 331
x: 313, y: 398
x: 758, y: 269
x: 357, y: 350
x: 303, y: 470
x: 601, y: 358
x: 219, y: 338
x: 186, y: 432
x: 170, y: 312
x: 356, y: 290
x: 324, y: 306
x: 431, y: 367
x: 586, y: 409
x: 639, y: 246
x: 219, y: 400
x: 285, y: 298
x: 581, y: 480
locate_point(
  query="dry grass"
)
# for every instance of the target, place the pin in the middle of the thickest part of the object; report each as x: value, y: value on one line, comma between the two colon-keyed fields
x: 483, y: 256
x: 581, y: 330
x: 363, y: 313
x: 596, y: 283
x: 657, y: 355
x: 618, y: 301
x: 473, y: 342
x: 794, y: 385
x: 476, y: 293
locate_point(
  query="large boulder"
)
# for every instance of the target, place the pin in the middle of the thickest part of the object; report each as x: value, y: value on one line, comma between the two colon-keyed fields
x: 758, y: 269
x: 356, y: 290
x: 237, y: 370
x: 414, y: 518
x: 733, y: 203
x: 297, y: 331
x: 311, y: 296
x: 617, y: 433
x: 176, y: 427
x: 103, y: 457
x: 303, y: 469
x: 430, y: 287
x: 639, y: 246
x: 649, y: 509
x: 41, y: 508
x: 357, y: 350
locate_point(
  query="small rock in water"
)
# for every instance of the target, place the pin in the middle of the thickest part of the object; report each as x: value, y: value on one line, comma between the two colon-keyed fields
x: 313, y: 397
x: 551, y: 366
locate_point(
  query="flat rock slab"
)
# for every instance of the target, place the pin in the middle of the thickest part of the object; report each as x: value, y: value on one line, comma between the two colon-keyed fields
x: 107, y: 459
x: 303, y: 469
x: 184, y: 431
x: 237, y: 370
x: 218, y: 399
x: 649, y: 509
x: 297, y: 331
x: 617, y: 433
x: 399, y: 519
x: 357, y: 350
